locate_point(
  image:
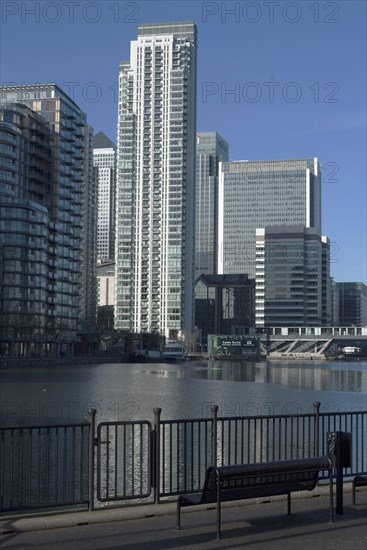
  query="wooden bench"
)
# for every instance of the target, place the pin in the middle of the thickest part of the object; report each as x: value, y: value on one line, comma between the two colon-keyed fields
x: 265, y: 479
x: 358, y: 481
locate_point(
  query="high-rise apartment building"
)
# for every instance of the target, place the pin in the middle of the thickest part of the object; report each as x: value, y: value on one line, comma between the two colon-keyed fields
x: 47, y: 220
x: 292, y: 277
x: 156, y: 181
x: 104, y: 161
x: 211, y: 149
x: 259, y: 194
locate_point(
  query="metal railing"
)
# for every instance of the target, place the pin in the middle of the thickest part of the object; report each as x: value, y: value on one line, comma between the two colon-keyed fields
x: 43, y: 466
x: 186, y: 453
x: 188, y: 447
x: 120, y: 461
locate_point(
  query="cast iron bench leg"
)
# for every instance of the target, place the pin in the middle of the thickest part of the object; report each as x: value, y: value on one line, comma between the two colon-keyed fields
x: 218, y: 521
x: 358, y: 481
x: 178, y: 515
x: 218, y: 506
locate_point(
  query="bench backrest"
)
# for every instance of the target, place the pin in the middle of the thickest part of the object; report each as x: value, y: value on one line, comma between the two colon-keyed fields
x: 262, y: 479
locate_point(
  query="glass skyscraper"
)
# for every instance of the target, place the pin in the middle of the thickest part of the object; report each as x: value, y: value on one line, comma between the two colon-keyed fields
x: 156, y: 181
x: 352, y: 299
x: 104, y: 161
x: 255, y: 194
x: 47, y: 251
x: 211, y: 149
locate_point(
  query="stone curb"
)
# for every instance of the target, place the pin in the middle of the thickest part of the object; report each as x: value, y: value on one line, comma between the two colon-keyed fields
x: 74, y: 519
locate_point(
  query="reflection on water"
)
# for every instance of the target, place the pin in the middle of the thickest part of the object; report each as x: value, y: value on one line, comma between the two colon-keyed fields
x: 131, y: 391
x: 337, y: 376
x: 322, y: 376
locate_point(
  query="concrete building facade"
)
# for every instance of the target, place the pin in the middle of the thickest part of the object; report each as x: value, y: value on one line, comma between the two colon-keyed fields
x: 106, y: 284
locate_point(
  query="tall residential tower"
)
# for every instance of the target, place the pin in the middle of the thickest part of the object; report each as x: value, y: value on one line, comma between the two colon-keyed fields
x: 156, y: 181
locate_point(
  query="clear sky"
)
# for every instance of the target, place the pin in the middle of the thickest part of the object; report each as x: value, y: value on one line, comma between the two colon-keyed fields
x: 296, y: 70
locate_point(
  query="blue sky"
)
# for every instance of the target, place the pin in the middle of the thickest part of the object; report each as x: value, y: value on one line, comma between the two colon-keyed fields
x: 297, y: 72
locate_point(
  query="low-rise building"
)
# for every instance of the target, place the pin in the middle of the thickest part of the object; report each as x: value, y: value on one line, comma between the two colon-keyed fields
x: 352, y: 298
x: 292, y: 277
x: 224, y: 304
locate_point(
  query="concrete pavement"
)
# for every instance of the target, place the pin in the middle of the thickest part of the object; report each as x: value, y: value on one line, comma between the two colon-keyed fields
x: 251, y: 524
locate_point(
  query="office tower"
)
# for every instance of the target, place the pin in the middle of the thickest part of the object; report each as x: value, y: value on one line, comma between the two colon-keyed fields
x: 156, y: 182
x: 292, y: 277
x: 104, y: 161
x: 352, y: 298
x: 211, y: 149
x: 47, y: 213
x: 259, y: 194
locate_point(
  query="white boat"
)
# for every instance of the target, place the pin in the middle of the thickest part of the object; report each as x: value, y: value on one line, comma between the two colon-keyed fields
x: 174, y: 351
x: 351, y: 350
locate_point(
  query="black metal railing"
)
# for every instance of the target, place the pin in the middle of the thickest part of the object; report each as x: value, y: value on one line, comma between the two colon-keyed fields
x: 120, y: 461
x: 185, y: 454
x: 188, y: 447
x: 42, y: 466
x: 265, y: 439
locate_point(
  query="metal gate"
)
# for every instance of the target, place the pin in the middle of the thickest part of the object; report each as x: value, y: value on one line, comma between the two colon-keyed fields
x: 124, y: 460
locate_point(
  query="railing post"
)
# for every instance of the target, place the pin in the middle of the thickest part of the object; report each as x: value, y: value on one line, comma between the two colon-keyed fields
x: 316, y: 410
x: 92, y: 427
x: 157, y: 451
x: 339, y: 473
x: 214, y: 411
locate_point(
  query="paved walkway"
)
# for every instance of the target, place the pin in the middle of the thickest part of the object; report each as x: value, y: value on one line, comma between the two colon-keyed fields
x: 251, y: 525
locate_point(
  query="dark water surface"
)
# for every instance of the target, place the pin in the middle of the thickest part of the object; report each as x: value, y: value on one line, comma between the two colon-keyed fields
x: 131, y: 391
